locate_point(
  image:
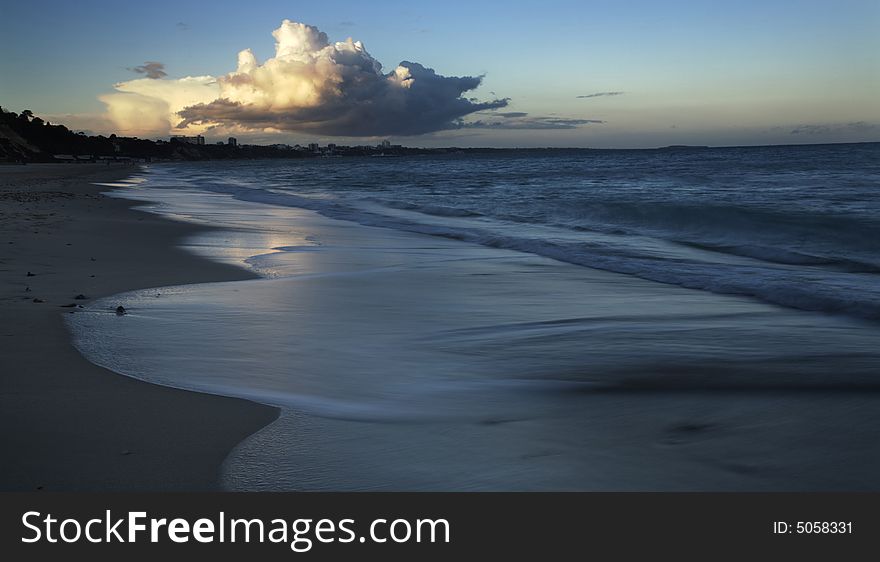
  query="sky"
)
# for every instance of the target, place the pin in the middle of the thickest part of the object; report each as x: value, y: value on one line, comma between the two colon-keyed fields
x: 601, y: 74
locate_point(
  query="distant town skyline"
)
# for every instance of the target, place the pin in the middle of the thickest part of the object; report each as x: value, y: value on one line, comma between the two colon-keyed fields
x: 528, y: 74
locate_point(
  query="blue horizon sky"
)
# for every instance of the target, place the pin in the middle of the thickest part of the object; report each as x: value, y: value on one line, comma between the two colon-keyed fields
x: 717, y: 73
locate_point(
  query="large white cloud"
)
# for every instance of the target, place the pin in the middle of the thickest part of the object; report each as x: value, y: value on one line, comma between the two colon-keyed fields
x: 310, y: 85
x: 148, y: 106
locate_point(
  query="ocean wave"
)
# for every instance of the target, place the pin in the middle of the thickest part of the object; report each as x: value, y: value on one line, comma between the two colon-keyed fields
x: 780, y: 236
x: 854, y: 294
x: 436, y: 210
x: 800, y: 258
x: 804, y: 236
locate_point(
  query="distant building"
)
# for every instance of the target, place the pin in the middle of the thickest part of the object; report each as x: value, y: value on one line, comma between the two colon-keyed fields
x: 198, y: 139
x: 385, y: 144
x: 331, y: 147
x: 233, y: 141
x: 313, y: 146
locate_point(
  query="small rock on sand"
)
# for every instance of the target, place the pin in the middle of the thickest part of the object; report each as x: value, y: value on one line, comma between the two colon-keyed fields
x: 80, y: 297
x: 120, y: 310
x: 39, y: 300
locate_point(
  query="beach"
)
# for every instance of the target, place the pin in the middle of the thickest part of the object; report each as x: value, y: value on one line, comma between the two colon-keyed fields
x: 340, y: 326
x: 68, y: 424
x: 410, y: 347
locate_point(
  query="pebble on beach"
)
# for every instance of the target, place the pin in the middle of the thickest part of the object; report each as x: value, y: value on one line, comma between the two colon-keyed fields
x: 120, y: 310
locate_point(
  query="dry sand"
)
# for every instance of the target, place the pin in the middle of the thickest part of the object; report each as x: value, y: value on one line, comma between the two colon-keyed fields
x: 66, y: 423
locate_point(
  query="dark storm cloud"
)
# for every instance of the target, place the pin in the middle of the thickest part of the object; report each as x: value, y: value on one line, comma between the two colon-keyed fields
x: 151, y: 69
x: 524, y: 122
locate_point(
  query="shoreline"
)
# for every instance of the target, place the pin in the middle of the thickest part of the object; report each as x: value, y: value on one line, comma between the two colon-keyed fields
x: 493, y: 315
x: 69, y: 424
x: 458, y: 366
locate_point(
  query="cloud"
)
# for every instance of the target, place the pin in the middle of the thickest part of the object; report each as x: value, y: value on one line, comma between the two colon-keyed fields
x: 822, y: 129
x: 182, y: 26
x: 601, y: 94
x: 152, y: 69
x: 149, y: 107
x: 310, y: 85
x: 810, y: 130
x: 517, y: 120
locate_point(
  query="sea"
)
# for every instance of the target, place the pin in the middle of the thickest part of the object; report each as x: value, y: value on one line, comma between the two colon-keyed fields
x: 675, y: 319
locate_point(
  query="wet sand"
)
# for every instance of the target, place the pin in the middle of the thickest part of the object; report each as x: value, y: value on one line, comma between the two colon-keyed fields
x: 66, y: 423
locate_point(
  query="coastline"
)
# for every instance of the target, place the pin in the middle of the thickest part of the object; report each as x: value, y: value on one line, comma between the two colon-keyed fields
x: 689, y: 390
x: 69, y: 424
x: 431, y: 364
